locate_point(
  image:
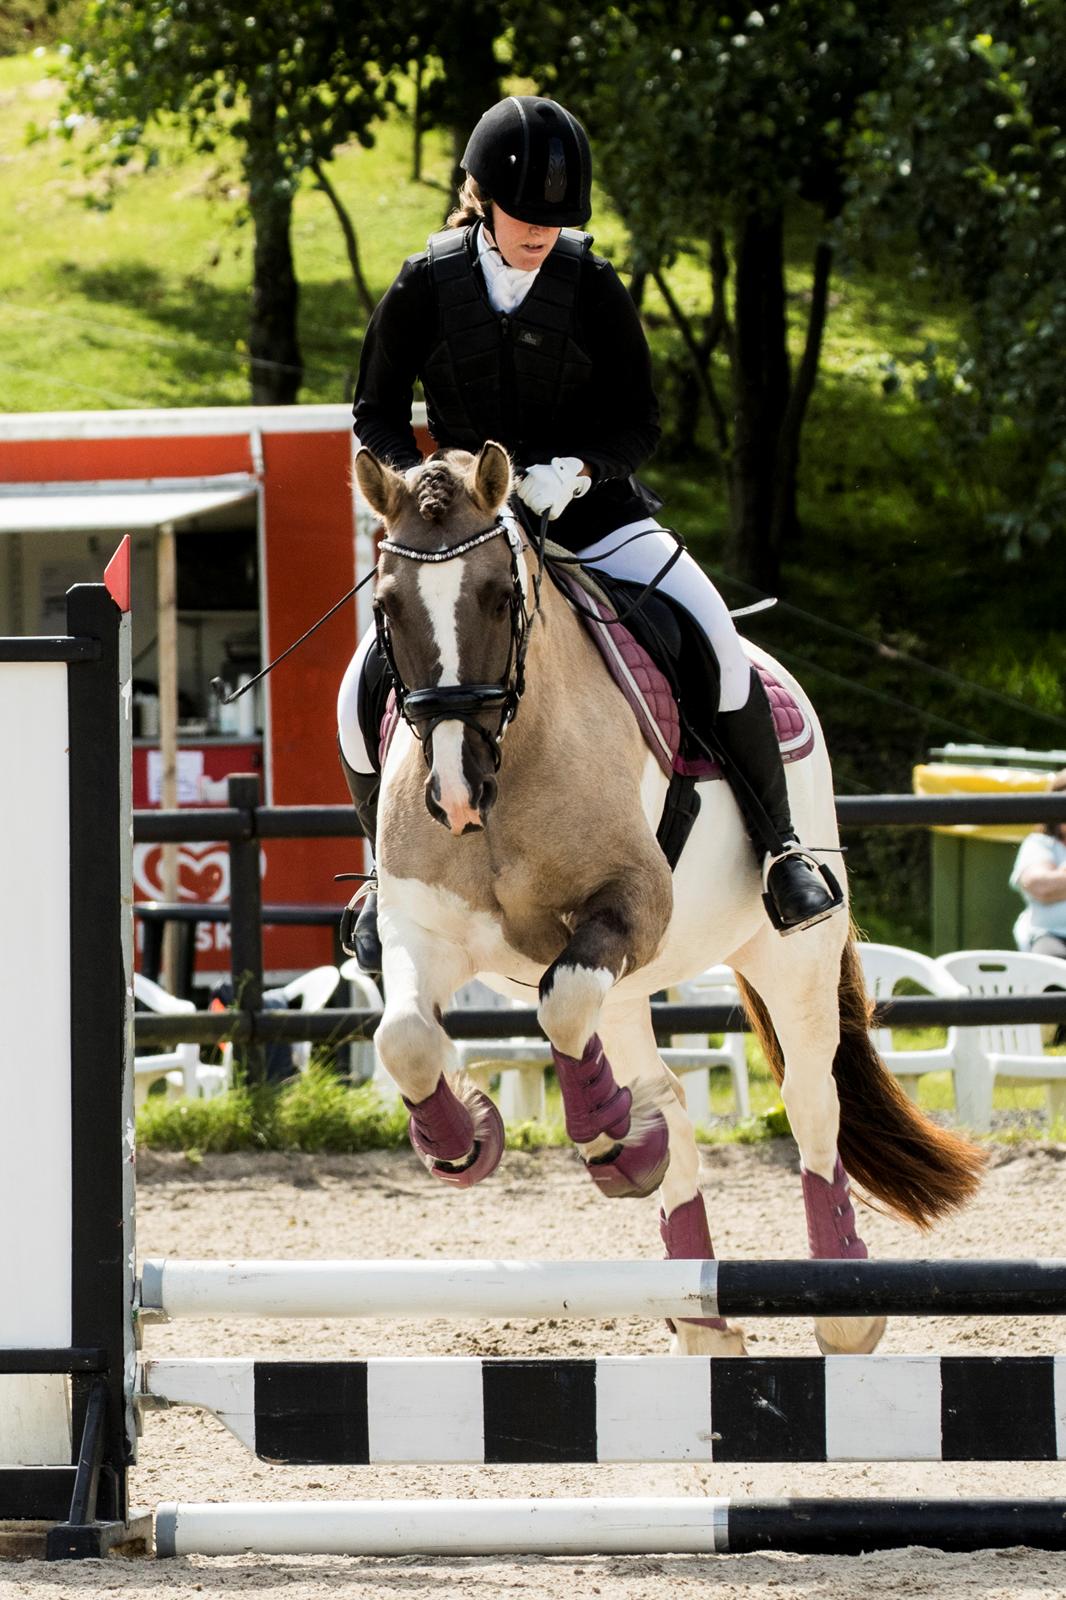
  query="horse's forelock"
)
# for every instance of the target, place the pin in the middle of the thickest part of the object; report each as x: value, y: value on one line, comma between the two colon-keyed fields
x: 436, y: 490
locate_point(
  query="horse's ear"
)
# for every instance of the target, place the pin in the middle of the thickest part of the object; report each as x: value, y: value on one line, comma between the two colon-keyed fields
x: 383, y: 488
x: 492, y: 476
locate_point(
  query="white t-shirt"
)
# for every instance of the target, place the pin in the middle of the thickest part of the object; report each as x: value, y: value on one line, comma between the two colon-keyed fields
x: 1043, y: 851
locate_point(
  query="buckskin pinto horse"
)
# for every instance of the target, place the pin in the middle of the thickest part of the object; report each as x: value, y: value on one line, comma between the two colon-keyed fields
x: 533, y: 863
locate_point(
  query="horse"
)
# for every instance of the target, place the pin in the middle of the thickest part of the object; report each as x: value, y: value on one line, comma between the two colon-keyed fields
x: 517, y: 843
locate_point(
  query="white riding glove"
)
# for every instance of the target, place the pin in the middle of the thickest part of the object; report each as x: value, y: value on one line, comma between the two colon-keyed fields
x: 550, y: 486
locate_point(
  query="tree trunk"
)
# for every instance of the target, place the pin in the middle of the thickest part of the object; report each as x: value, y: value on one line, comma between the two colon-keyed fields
x: 416, y: 124
x: 761, y: 387
x: 700, y: 356
x: 277, y: 366
x: 471, y: 74
x: 351, y: 239
x: 785, y: 523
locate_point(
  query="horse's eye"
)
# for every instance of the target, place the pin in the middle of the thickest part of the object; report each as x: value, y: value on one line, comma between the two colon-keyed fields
x: 497, y: 601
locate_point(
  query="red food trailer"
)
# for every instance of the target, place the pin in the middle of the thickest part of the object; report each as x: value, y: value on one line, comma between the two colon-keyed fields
x: 253, y: 513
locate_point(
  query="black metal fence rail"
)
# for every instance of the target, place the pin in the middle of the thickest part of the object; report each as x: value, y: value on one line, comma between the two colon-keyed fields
x: 339, y: 1026
x: 242, y: 819
x: 244, y: 823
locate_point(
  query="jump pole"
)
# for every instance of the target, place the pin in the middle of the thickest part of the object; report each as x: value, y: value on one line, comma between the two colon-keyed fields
x: 66, y: 1156
x: 688, y: 1525
x: 597, y: 1289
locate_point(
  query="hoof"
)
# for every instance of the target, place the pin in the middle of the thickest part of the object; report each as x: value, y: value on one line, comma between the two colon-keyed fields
x: 706, y: 1336
x: 849, y: 1336
x: 634, y: 1170
x: 484, y: 1157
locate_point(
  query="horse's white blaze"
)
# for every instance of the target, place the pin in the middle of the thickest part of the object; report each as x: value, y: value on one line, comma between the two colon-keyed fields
x: 455, y: 800
x: 569, y: 1010
x: 439, y: 584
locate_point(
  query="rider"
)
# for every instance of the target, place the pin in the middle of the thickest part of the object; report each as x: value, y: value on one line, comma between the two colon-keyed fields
x: 519, y: 333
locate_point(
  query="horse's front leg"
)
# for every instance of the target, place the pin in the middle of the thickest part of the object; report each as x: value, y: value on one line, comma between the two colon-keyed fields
x: 456, y: 1131
x: 623, y: 1138
x: 683, y: 1226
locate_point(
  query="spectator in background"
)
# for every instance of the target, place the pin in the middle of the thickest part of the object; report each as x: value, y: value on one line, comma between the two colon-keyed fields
x: 1039, y: 875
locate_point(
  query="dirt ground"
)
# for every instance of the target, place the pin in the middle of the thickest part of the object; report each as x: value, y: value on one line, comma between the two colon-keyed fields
x: 542, y: 1206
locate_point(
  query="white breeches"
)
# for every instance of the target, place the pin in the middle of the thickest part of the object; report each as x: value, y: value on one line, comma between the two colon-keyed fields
x: 352, y: 743
x: 636, y: 562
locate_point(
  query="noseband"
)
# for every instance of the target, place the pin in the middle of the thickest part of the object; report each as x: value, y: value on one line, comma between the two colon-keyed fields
x: 425, y: 709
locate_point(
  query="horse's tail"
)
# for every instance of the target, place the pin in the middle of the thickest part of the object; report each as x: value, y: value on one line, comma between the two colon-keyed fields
x: 919, y: 1170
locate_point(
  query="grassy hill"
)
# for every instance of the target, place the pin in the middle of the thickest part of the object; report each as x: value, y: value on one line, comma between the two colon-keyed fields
x: 132, y: 291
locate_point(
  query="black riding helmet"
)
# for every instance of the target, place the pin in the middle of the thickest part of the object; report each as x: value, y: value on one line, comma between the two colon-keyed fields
x: 533, y: 158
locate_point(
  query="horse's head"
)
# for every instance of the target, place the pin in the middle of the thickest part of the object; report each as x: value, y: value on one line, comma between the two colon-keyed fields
x: 449, y: 602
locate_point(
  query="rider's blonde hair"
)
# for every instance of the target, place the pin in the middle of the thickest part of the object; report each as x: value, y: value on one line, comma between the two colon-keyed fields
x: 473, y: 205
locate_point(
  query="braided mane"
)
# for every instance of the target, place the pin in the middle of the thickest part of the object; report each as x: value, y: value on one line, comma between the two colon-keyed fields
x: 436, y: 490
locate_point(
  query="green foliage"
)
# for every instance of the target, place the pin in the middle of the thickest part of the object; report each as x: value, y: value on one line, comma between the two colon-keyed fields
x: 965, y: 148
x: 29, y: 24
x: 209, y: 63
x: 702, y: 112
x: 313, y: 1112
x: 318, y: 1112
x: 239, y: 1120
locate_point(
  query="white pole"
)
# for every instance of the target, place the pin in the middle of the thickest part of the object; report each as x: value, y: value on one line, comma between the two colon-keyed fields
x: 689, y: 1526
x: 590, y: 1289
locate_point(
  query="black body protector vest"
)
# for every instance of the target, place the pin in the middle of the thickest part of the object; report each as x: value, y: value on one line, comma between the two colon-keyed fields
x: 511, y: 377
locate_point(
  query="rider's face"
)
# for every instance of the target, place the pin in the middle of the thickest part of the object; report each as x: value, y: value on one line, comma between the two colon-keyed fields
x: 522, y: 244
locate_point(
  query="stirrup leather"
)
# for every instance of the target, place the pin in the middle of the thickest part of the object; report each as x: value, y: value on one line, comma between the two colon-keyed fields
x: 791, y: 848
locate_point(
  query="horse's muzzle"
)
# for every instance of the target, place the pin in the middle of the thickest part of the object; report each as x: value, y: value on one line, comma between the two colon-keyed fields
x: 462, y: 812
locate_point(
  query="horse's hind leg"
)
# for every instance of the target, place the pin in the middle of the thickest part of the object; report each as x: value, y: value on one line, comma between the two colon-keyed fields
x: 458, y: 1136
x: 630, y: 1040
x: 800, y: 992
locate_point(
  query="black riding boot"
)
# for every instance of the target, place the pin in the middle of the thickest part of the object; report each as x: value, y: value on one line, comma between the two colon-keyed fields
x: 359, y: 933
x: 797, y: 890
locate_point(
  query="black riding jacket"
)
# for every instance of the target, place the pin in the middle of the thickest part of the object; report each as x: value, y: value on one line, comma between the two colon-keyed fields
x: 566, y: 374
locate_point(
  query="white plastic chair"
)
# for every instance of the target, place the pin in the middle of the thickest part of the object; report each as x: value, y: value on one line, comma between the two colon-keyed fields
x: 181, y: 1067
x: 886, y: 965
x: 521, y: 1062
x: 690, y: 1053
x: 364, y: 1065
x: 1012, y: 1051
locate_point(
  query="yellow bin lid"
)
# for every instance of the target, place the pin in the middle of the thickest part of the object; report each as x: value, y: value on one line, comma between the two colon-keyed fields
x: 945, y: 777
